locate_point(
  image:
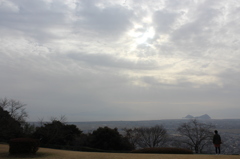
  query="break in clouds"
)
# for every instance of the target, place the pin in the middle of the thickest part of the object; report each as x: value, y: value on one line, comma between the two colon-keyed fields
x: 121, y: 60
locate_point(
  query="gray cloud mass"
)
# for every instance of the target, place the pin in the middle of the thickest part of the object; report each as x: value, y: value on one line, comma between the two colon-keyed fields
x: 94, y: 60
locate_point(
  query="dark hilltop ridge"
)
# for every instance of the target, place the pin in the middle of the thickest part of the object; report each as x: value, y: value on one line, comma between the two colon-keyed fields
x: 205, y: 117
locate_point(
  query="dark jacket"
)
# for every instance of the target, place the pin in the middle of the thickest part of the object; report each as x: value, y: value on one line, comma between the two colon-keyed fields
x: 217, y: 139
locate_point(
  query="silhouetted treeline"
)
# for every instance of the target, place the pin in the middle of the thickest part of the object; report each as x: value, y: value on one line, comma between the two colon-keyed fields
x: 192, y: 135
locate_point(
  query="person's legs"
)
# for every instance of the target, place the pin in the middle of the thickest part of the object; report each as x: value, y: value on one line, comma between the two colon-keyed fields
x: 217, y: 149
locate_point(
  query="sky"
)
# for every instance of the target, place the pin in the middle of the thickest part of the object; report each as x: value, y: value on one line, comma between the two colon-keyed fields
x: 108, y: 60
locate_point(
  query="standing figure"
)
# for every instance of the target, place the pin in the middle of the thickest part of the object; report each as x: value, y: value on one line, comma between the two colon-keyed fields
x: 217, y: 142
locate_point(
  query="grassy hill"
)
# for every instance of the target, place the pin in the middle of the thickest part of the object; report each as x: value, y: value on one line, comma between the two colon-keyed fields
x: 44, y: 153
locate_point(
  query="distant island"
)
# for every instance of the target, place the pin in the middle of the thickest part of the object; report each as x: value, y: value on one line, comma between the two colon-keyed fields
x: 205, y: 117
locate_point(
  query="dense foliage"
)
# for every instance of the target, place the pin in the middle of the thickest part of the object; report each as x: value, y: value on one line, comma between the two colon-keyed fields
x: 109, y: 139
x: 10, y: 128
x: 57, y: 133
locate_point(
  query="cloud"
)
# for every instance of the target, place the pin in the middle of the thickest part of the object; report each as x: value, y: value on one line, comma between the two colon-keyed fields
x: 106, y: 21
x: 111, y: 62
x: 8, y: 6
x: 108, y: 60
x: 164, y: 21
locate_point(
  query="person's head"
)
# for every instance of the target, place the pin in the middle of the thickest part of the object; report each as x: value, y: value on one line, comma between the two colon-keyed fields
x: 216, y: 131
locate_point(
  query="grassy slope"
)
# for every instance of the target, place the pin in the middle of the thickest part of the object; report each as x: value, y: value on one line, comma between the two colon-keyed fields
x: 61, y: 154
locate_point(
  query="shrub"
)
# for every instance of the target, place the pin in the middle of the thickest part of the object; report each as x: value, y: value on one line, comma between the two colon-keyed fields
x: 57, y: 133
x: 164, y: 150
x: 23, y: 145
x: 109, y: 139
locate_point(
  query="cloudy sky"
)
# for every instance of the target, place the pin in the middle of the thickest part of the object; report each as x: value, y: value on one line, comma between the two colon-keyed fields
x: 98, y: 60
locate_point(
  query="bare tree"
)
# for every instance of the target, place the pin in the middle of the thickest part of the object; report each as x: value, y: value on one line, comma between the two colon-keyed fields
x: 15, y: 108
x: 132, y: 136
x: 144, y: 137
x: 195, y: 135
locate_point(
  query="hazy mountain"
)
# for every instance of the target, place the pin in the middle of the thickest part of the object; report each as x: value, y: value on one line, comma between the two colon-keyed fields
x: 205, y: 116
x: 189, y: 117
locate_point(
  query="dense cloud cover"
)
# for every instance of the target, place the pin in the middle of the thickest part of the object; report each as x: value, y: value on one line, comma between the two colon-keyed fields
x: 121, y: 60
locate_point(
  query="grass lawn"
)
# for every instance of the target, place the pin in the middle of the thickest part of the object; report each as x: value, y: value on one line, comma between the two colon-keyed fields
x: 62, y: 154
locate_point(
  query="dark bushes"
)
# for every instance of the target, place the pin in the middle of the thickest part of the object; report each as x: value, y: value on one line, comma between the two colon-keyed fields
x: 164, y: 150
x: 57, y: 133
x: 23, y: 145
x: 9, y: 127
x: 105, y: 138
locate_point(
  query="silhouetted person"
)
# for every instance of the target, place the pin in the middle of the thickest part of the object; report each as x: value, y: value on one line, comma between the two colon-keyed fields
x: 217, y: 142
